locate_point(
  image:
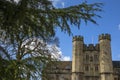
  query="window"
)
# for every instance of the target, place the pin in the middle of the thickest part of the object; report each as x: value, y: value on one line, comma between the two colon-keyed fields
x: 96, y: 58
x: 86, y: 68
x: 96, y: 78
x: 96, y: 68
x: 87, y: 57
x: 86, y: 78
x: 68, y: 67
x: 115, y: 79
x: 91, y: 59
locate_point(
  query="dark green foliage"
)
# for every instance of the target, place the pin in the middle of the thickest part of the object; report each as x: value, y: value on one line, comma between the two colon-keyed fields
x: 41, y: 18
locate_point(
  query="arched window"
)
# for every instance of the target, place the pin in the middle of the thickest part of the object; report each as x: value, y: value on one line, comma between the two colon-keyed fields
x: 91, y: 59
x: 96, y: 58
x: 86, y: 68
x: 87, y: 57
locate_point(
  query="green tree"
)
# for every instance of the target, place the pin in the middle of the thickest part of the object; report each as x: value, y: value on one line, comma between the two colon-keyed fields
x: 26, y: 22
x: 27, y: 60
x: 41, y: 18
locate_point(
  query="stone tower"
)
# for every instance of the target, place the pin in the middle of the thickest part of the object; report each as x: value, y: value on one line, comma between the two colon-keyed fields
x: 106, y: 67
x: 77, y: 58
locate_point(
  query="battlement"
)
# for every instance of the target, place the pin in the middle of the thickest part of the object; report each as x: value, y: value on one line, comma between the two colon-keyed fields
x: 91, y: 47
x: 77, y: 38
x: 104, y: 36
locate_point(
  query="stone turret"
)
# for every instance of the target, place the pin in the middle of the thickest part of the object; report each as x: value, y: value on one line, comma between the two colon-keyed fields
x: 77, y: 58
x: 106, y: 68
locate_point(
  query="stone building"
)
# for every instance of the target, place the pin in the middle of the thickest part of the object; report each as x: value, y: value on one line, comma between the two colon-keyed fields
x: 89, y: 62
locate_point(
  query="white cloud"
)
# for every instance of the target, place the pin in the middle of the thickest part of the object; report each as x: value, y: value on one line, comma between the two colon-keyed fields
x: 55, y: 2
x: 57, y: 53
x: 53, y: 49
x: 58, y: 2
x: 16, y: 0
x: 66, y: 58
x: 63, y: 4
x: 119, y: 26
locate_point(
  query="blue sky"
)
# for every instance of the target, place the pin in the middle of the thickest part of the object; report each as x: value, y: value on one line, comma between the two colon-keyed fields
x: 109, y: 23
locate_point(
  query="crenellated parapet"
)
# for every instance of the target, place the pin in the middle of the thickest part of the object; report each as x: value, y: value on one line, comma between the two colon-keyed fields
x: 77, y: 38
x: 104, y: 36
x: 91, y: 47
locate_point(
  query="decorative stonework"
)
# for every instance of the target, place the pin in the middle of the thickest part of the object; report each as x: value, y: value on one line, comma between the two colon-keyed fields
x: 91, y: 47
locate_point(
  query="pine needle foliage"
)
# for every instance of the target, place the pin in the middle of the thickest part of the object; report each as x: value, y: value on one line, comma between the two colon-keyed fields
x: 41, y: 18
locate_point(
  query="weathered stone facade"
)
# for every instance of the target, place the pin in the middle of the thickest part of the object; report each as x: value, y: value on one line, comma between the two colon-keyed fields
x: 89, y: 62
